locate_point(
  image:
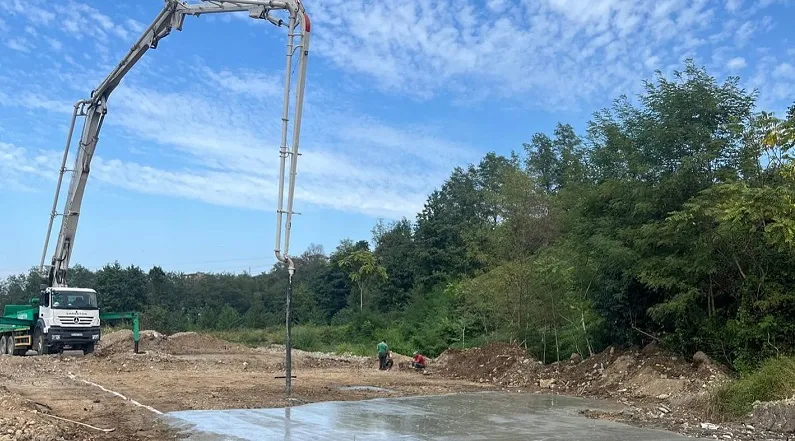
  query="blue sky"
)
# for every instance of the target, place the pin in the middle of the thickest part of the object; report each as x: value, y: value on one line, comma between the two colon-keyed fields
x: 398, y: 93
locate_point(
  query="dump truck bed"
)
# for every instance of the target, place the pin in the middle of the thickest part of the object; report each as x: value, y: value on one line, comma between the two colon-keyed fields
x: 18, y: 318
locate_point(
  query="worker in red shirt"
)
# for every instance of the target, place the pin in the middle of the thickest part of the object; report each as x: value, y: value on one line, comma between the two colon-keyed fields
x: 418, y: 362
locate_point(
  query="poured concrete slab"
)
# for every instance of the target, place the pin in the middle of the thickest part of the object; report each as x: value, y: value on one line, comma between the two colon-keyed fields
x: 365, y: 388
x: 459, y: 417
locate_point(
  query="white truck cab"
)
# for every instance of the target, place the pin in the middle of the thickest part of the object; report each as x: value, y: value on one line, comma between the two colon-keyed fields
x: 67, y: 317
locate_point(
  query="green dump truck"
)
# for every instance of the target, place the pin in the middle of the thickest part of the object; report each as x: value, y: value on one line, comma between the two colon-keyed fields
x: 58, y: 319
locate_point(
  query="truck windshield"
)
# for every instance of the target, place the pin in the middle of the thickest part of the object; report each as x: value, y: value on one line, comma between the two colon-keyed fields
x: 74, y: 300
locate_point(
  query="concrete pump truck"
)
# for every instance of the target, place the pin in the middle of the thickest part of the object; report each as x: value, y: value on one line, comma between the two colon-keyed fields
x: 63, y: 316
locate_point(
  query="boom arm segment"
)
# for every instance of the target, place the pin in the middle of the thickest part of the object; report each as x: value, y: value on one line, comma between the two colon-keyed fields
x: 94, y: 109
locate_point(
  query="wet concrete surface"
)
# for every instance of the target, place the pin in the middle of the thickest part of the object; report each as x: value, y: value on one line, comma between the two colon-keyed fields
x: 464, y: 417
x: 365, y: 388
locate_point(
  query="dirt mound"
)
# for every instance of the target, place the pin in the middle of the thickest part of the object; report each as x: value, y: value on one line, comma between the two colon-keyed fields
x: 648, y: 374
x: 120, y: 342
x: 23, y: 420
x: 184, y: 343
x: 306, y: 359
x: 651, y: 374
x: 497, y: 362
x: 181, y: 343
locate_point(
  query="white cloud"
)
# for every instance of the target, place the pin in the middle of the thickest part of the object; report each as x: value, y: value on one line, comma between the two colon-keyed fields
x: 29, y: 10
x: 255, y: 84
x: 558, y: 53
x: 496, y: 5
x: 652, y: 62
x: 134, y: 25
x: 744, y: 33
x: 54, y: 44
x: 221, y: 141
x: 17, y: 165
x: 75, y: 18
x: 784, y: 70
x: 3, y: 25
x: 736, y: 63
x: 733, y: 5
x: 19, y: 44
x: 227, y: 144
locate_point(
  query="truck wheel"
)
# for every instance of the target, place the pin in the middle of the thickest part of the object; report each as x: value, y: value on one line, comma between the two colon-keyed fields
x: 3, y: 345
x: 10, y: 345
x: 88, y: 348
x: 41, y: 346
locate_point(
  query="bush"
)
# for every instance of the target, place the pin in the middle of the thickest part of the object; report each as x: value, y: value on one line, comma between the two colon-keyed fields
x: 775, y: 380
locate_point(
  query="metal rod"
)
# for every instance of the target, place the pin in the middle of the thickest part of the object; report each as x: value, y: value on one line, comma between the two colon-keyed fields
x: 288, y: 346
x: 60, y: 181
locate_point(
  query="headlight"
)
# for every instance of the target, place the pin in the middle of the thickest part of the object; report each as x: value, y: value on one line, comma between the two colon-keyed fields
x: 95, y: 337
x: 56, y: 337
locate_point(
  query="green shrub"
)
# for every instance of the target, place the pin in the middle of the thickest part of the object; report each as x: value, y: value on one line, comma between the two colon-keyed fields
x: 355, y: 349
x: 774, y: 380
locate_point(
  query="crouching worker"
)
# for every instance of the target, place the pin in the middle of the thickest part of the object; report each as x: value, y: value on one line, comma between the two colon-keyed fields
x: 389, y: 362
x: 418, y: 362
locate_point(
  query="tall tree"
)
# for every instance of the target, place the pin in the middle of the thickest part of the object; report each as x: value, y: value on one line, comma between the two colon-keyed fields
x: 363, y: 269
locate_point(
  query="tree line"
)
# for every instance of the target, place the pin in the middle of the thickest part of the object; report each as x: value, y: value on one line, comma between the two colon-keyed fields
x: 669, y: 219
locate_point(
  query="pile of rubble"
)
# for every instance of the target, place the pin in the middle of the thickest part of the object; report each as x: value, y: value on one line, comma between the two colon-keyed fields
x: 181, y: 343
x: 499, y: 363
x: 22, y: 420
x: 775, y: 415
x: 646, y: 374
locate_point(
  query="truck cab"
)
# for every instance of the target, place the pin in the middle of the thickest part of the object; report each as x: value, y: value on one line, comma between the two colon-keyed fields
x: 66, y: 317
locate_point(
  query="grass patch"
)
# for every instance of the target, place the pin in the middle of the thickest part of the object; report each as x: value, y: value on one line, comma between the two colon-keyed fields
x: 774, y: 380
x: 305, y: 337
x: 252, y: 337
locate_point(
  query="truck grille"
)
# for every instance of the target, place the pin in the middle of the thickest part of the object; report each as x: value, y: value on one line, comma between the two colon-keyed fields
x: 70, y: 320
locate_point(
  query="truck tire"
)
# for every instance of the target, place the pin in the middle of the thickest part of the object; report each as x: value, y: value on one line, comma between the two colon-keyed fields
x: 3, y: 345
x: 39, y: 343
x: 88, y: 348
x: 10, y: 345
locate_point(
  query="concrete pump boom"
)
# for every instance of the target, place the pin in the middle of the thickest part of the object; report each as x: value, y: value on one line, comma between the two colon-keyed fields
x: 95, y: 108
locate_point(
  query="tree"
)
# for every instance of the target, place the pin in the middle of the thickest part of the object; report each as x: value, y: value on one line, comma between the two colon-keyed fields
x: 395, y: 250
x: 121, y: 289
x: 363, y: 269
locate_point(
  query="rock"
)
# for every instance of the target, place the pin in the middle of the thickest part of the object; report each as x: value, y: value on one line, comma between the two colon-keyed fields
x: 700, y: 358
x: 709, y: 426
x: 546, y: 383
x: 651, y: 348
x: 775, y: 415
x: 575, y: 358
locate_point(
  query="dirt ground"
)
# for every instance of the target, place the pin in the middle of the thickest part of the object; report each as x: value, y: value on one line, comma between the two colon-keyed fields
x: 117, y: 395
x: 181, y: 372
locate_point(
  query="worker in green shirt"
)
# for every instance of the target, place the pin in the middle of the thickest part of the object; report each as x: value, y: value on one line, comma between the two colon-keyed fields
x: 383, y: 352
